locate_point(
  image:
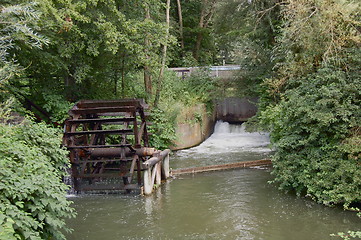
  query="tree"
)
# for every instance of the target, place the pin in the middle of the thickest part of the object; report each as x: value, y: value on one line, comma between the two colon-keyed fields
x: 81, y: 64
x: 164, y: 57
x: 315, y: 113
x: 194, y: 24
x: 245, y: 35
x: 180, y: 19
x: 205, y: 17
x: 17, y: 22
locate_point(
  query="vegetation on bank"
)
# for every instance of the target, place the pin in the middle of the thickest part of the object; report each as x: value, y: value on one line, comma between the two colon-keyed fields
x: 179, y: 96
x: 33, y: 204
x: 312, y: 103
x: 302, y: 58
x: 315, y: 114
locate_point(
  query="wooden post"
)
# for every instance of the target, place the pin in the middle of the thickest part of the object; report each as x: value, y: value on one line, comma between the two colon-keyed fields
x: 155, y: 170
x: 165, y: 168
x: 147, y: 181
x: 158, y: 178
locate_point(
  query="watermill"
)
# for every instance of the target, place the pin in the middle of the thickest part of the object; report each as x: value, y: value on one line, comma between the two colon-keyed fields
x: 109, y: 147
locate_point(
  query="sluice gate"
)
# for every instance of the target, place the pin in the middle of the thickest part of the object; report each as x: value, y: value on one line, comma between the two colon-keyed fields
x: 109, y: 147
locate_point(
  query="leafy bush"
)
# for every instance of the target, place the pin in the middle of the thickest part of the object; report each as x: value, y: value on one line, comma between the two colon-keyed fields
x: 32, y: 200
x: 162, y: 129
x: 316, y: 132
x: 56, y: 106
x: 349, y: 235
x: 178, y: 98
x: 201, y: 87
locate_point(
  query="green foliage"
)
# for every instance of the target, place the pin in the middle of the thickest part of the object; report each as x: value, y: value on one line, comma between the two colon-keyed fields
x: 17, y: 23
x: 32, y: 199
x: 194, y: 33
x: 255, y: 59
x: 178, y: 98
x: 247, y: 38
x: 77, y: 63
x: 162, y: 129
x: 315, y: 33
x: 311, y: 129
x: 199, y: 87
x: 349, y: 235
x: 241, y: 24
x: 56, y: 106
x: 312, y: 106
x: 133, y: 85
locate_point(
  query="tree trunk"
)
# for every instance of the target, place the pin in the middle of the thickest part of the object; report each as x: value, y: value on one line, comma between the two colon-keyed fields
x: 207, y: 10
x: 200, y: 34
x: 180, y: 16
x: 123, y: 75
x: 164, y: 57
x: 70, y: 84
x: 147, y: 70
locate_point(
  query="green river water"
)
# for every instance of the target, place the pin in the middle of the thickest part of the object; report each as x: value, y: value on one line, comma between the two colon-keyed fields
x: 232, y: 204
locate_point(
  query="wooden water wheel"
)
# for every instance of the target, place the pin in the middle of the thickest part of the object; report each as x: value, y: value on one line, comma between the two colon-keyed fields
x: 108, y: 141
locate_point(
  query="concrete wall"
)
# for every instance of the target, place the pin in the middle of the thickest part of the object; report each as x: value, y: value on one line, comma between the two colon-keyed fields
x: 191, y: 133
x: 235, y: 110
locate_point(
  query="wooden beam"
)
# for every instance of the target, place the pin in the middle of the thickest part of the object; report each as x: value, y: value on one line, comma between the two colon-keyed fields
x: 101, y: 110
x: 246, y: 164
x: 115, y: 131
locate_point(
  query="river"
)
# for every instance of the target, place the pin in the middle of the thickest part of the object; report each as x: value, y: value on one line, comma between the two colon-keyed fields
x: 233, y: 204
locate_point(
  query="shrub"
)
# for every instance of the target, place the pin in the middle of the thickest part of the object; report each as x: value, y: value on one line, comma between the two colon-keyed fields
x: 316, y: 132
x: 33, y: 204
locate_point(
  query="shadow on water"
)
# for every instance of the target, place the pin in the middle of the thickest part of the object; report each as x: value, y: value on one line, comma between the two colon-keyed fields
x: 233, y: 204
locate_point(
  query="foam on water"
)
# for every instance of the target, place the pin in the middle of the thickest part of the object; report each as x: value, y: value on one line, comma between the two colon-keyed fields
x: 232, y: 138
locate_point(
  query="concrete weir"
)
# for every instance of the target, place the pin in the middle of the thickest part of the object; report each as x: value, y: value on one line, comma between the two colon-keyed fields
x: 231, y: 109
x: 190, y: 134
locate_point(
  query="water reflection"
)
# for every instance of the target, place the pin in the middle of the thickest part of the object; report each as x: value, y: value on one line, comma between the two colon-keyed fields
x: 237, y: 204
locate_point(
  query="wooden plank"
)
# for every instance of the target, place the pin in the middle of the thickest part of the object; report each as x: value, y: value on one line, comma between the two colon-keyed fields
x: 124, y: 123
x: 141, y: 130
x: 111, y: 103
x: 112, y: 114
x: 102, y: 120
x: 131, y: 171
x: 99, y: 146
x: 104, y: 160
x: 100, y: 175
x: 157, y: 158
x: 132, y: 187
x: 245, y: 164
x: 101, y: 110
x: 114, y: 131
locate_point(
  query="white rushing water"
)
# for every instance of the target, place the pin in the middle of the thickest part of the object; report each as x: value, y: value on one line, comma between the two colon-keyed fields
x: 228, y: 143
x: 232, y: 138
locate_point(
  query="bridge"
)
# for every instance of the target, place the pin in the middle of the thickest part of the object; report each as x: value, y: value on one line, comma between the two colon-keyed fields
x: 230, y: 109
